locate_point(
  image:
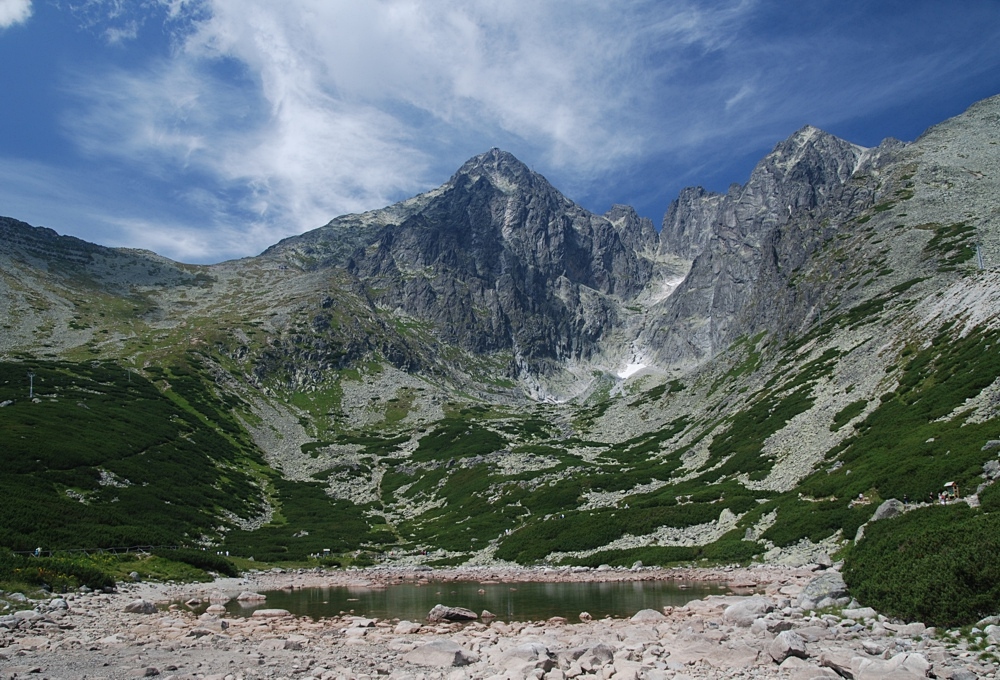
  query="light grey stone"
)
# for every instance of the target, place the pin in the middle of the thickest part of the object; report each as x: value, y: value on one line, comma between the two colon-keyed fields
x: 786, y: 644
x: 889, y: 508
x: 746, y: 612
x: 439, y: 654
x: 140, y: 606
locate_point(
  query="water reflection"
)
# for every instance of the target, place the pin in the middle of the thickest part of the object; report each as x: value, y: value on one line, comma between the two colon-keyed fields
x: 508, y: 601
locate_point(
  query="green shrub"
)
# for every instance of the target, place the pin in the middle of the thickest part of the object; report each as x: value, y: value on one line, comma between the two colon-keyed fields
x: 939, y: 565
x: 58, y: 574
x: 202, y: 559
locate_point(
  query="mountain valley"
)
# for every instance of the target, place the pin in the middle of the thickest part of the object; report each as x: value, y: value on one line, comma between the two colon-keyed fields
x: 488, y: 373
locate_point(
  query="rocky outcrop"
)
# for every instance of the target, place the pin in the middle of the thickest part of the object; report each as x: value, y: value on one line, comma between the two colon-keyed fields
x: 746, y: 243
x: 496, y: 260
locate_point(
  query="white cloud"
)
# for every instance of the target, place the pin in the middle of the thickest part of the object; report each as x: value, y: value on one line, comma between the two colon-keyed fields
x: 345, y: 106
x: 14, y: 12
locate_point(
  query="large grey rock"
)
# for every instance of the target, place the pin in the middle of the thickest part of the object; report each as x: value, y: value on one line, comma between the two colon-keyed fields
x: 829, y: 586
x: 439, y: 654
x: 270, y: 613
x: 889, y: 508
x: 442, y: 613
x: 900, y: 667
x: 648, y: 616
x: 140, y: 607
x: 859, y: 613
x: 786, y: 644
x: 528, y: 656
x: 249, y: 596
x: 407, y: 628
x: 744, y: 613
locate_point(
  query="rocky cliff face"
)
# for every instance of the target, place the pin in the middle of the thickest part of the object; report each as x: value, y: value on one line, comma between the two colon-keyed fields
x: 498, y: 261
x: 745, y: 244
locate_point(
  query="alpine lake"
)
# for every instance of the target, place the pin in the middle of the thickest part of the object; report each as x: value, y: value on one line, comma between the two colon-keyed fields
x: 517, y: 601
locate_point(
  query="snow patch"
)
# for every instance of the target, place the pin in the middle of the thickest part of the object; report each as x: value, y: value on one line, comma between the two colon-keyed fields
x: 631, y: 370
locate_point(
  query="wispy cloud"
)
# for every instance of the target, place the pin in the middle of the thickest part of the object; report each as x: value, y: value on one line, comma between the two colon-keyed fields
x: 14, y: 12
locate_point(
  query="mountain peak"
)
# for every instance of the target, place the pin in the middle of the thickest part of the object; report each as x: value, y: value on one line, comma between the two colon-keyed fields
x: 500, y: 167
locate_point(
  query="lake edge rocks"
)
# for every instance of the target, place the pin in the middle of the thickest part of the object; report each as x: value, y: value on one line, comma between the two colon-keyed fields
x: 92, y: 635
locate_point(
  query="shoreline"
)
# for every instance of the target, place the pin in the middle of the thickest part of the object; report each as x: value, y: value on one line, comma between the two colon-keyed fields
x: 744, y: 580
x: 780, y: 626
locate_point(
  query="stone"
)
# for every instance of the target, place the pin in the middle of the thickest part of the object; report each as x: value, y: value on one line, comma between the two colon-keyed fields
x: 442, y: 613
x: 830, y: 585
x: 407, y: 628
x: 907, y: 629
x: 439, y: 654
x: 596, y: 657
x: 270, y: 613
x: 530, y: 654
x: 248, y: 596
x: 648, y: 616
x: 279, y: 644
x: 962, y: 674
x: 585, y: 616
x: 785, y: 644
x: 767, y: 624
x: 860, y: 613
x: 140, y: 606
x: 889, y: 508
x: 904, y: 665
x: 992, y: 634
x: 747, y: 611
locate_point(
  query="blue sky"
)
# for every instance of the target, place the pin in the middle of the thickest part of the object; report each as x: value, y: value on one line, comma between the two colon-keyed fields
x: 210, y: 129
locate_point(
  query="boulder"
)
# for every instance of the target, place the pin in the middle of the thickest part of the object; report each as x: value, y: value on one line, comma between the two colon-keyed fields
x: 596, y: 657
x: 278, y: 644
x: 829, y: 586
x: 889, y: 508
x: 440, y: 654
x: 992, y: 634
x: 407, y: 628
x: 442, y: 613
x: 247, y: 596
x: 270, y: 613
x: 58, y: 603
x: 859, y: 613
x: 648, y: 616
x: 528, y: 656
x: 747, y: 611
x: 905, y: 665
x: 785, y: 644
x: 140, y: 606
